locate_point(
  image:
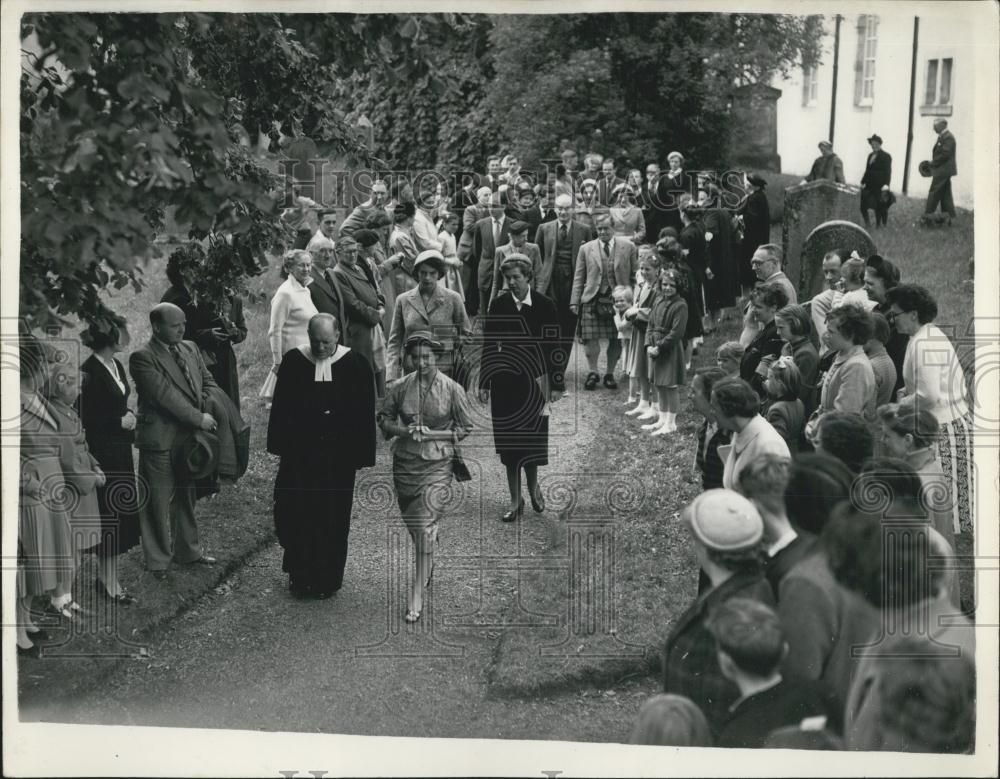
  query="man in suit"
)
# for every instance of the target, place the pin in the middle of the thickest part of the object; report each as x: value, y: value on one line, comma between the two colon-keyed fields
x: 358, y: 218
x: 327, y: 225
x: 608, y: 181
x: 943, y: 167
x: 519, y: 244
x: 171, y: 381
x: 559, y: 244
x: 602, y: 265
x: 826, y: 166
x: 533, y: 208
x: 488, y: 235
x: 325, y: 289
x: 875, y: 184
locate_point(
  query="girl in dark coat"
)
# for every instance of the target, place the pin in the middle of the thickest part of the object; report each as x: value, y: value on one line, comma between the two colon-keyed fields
x: 519, y: 376
x: 665, y: 347
x: 109, y: 428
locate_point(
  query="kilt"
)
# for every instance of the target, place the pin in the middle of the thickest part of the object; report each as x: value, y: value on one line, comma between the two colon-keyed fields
x: 592, y: 326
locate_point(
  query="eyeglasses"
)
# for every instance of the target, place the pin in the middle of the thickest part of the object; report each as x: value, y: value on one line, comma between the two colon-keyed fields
x: 891, y: 315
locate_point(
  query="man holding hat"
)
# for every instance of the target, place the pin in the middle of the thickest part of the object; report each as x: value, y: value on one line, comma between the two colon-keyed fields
x: 826, y: 166
x: 171, y: 380
x: 875, y: 184
x: 943, y: 167
x: 728, y: 535
x: 358, y: 218
x: 488, y: 235
x: 518, y: 245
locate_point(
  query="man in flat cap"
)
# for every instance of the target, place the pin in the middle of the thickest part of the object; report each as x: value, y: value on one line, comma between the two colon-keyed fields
x: 943, y: 167
x: 875, y: 184
x: 518, y: 245
x: 826, y: 166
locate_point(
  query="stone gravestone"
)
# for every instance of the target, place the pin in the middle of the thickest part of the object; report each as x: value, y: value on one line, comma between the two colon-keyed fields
x: 755, y: 112
x: 807, y: 206
x: 835, y: 234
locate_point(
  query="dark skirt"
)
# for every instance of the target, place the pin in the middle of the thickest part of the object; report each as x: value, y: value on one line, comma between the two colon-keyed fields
x: 313, y: 498
x: 527, y: 446
x: 117, y: 500
x: 520, y: 431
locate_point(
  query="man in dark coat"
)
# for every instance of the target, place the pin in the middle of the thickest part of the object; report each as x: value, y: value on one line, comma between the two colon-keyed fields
x: 943, y: 167
x: 213, y: 332
x: 722, y: 283
x: 322, y: 426
x: 875, y: 184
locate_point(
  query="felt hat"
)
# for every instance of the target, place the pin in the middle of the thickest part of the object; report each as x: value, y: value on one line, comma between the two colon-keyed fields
x: 875, y: 138
x: 724, y: 520
x: 431, y: 257
x: 195, y: 456
x: 366, y: 238
x: 825, y: 145
x: 756, y: 180
x: 517, y: 227
x: 925, y: 169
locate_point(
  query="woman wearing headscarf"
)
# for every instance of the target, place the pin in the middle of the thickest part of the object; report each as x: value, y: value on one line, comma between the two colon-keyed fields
x: 425, y: 414
x: 322, y: 426
x: 110, y: 430
x: 291, y: 310
x: 519, y: 377
x: 428, y: 307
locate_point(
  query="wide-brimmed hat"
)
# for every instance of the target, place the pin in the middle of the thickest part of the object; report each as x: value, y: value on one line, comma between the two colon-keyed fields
x: 875, y: 137
x: 430, y: 257
x: 195, y: 456
x: 422, y: 337
x: 724, y: 520
x: 924, y: 168
x: 756, y: 180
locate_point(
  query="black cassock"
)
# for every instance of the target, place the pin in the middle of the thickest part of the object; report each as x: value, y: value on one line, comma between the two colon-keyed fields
x: 323, y: 432
x: 518, y: 348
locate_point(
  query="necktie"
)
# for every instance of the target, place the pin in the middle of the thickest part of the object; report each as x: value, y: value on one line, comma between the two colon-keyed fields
x: 607, y: 249
x: 563, y: 233
x: 175, y: 351
x: 496, y: 233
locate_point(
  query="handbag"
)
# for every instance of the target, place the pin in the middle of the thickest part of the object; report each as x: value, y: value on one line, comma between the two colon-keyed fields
x: 458, y: 466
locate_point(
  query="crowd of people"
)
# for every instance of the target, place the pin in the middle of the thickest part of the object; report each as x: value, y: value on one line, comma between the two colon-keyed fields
x: 421, y: 297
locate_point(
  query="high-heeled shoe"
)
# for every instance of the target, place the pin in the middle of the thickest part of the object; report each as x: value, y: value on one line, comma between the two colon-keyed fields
x: 514, y: 514
x: 537, y: 504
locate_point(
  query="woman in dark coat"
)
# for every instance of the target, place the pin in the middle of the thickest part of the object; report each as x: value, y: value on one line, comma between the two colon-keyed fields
x: 756, y: 215
x: 109, y: 427
x: 519, y: 377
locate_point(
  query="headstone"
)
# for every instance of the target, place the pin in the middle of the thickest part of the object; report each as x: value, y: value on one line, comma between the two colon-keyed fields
x: 755, y: 112
x: 806, y: 206
x: 835, y: 234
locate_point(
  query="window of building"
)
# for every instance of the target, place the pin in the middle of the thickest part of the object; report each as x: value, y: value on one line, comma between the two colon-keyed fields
x: 937, y: 88
x: 864, y: 82
x: 810, y: 86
